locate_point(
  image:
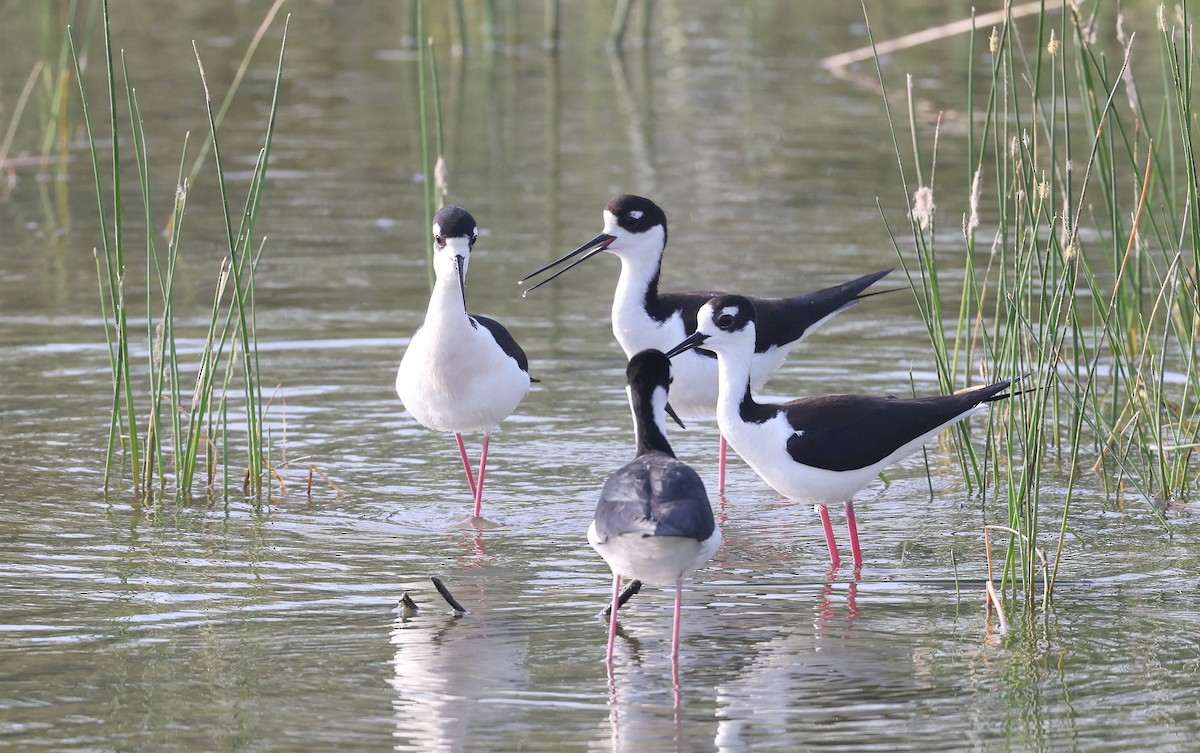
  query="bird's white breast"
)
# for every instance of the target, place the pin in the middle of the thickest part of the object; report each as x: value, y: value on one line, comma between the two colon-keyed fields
x: 454, y: 377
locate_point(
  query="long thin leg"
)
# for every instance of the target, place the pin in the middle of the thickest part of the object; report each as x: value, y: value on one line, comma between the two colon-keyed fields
x: 675, y: 651
x: 675, y: 627
x: 854, y: 547
x: 612, y: 619
x: 721, y: 465
x: 462, y: 453
x: 482, y: 467
x: 823, y: 511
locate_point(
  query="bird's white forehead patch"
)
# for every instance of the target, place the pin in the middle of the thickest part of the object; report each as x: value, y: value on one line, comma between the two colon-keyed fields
x: 636, y: 214
x: 437, y: 229
x: 730, y: 310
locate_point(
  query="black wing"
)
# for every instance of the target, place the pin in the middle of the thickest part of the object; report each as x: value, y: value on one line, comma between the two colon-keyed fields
x: 780, y: 320
x: 847, y: 432
x: 785, y: 320
x: 655, y: 495
x: 504, y: 340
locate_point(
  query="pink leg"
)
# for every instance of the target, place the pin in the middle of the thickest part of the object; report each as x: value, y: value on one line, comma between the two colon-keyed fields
x: 829, y: 541
x: 675, y: 627
x: 482, y: 467
x: 462, y: 453
x: 854, y: 547
x: 612, y: 620
x: 721, y: 466
x: 675, y: 687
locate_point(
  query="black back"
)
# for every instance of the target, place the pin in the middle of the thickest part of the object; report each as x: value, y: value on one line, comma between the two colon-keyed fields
x: 847, y: 432
x: 780, y: 320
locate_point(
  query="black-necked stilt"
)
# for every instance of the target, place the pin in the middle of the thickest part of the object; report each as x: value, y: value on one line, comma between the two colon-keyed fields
x: 818, y: 449
x: 635, y: 230
x: 460, y: 373
x: 653, y: 521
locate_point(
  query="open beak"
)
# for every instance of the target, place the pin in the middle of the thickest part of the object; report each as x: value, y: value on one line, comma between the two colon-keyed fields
x: 593, y: 247
x: 693, y: 340
x: 462, y: 278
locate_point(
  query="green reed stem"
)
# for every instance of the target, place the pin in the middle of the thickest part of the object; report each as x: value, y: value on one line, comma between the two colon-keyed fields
x: 426, y: 159
x: 1100, y: 329
x: 114, y: 262
x: 152, y: 451
x: 168, y: 295
x: 238, y: 76
x: 119, y: 258
x: 439, y: 129
x: 202, y: 394
x: 241, y: 270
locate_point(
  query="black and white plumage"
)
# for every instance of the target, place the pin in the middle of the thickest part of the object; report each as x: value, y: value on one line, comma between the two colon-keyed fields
x: 653, y: 521
x: 818, y: 449
x: 635, y: 230
x: 460, y: 373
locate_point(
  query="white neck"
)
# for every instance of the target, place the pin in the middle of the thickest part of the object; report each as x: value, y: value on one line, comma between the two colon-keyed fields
x: 637, y: 272
x: 446, y: 301
x: 733, y: 378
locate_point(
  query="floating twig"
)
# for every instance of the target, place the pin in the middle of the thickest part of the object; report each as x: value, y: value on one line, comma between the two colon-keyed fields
x: 449, y: 597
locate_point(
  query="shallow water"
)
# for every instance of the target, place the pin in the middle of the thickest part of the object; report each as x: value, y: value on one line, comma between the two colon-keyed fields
x: 231, y: 626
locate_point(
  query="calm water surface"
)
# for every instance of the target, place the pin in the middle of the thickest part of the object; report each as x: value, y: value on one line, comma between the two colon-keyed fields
x: 231, y: 626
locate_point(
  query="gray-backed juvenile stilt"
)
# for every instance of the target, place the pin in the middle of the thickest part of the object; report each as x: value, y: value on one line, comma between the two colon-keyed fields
x: 653, y: 522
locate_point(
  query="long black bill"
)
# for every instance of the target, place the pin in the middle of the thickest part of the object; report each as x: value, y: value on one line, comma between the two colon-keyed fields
x: 594, y: 246
x: 462, y: 279
x: 692, y: 341
x: 674, y: 416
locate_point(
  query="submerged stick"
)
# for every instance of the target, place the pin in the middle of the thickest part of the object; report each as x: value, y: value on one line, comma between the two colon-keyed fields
x: 633, y: 587
x: 994, y: 599
x: 449, y: 597
x: 312, y: 468
x: 989, y: 589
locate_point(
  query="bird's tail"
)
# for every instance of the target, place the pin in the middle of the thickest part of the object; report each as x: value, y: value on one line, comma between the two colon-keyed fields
x: 995, y: 392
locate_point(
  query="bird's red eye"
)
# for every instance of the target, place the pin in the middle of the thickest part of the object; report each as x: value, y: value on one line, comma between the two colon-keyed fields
x: 439, y: 241
x: 725, y: 321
